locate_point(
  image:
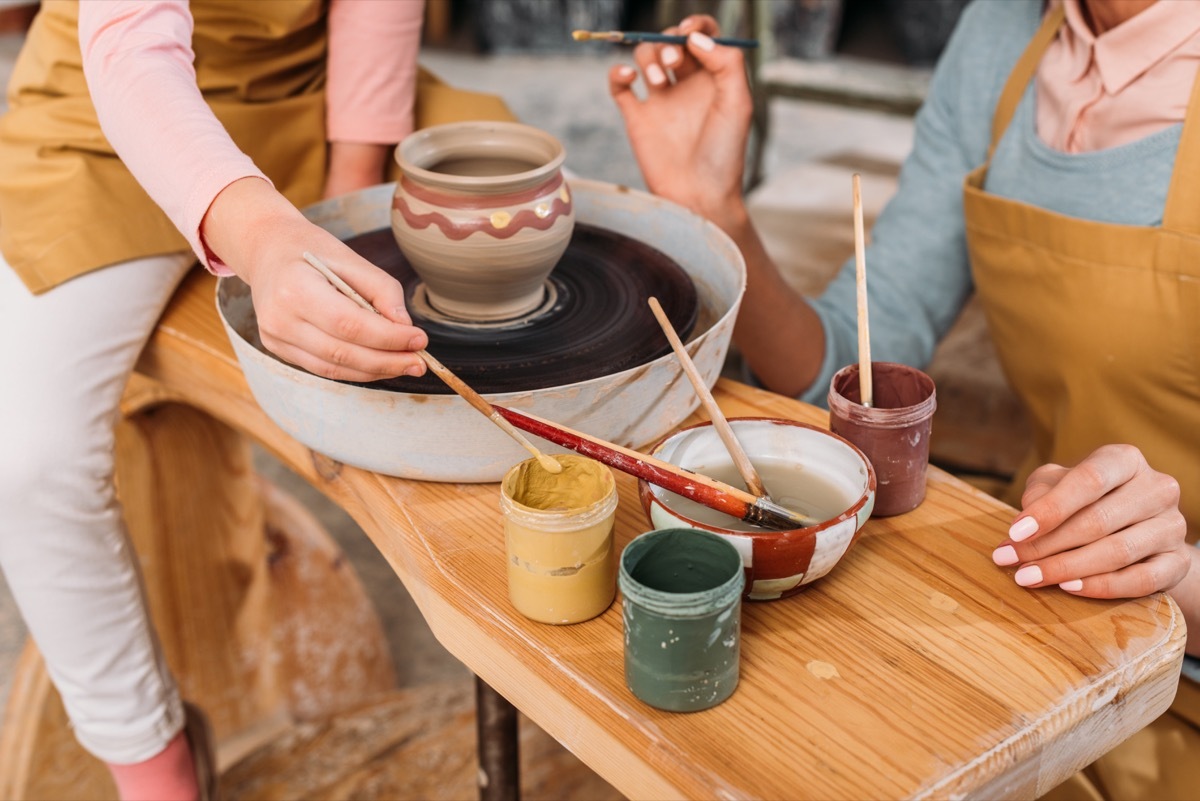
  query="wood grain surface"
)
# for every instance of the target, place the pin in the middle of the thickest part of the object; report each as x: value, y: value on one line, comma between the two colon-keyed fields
x: 915, y: 669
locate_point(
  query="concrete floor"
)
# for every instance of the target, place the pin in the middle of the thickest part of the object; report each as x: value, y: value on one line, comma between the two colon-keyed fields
x: 567, y: 95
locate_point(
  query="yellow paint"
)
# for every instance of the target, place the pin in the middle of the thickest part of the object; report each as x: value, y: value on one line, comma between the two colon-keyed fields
x: 564, y: 195
x: 823, y: 670
x: 562, y: 565
x: 500, y: 219
x: 542, y: 211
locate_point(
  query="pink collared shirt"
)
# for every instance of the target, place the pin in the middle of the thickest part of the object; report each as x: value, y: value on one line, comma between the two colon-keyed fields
x: 1097, y: 92
x: 137, y: 57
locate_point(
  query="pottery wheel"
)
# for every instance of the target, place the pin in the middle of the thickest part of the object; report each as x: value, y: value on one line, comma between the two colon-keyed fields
x: 596, y: 321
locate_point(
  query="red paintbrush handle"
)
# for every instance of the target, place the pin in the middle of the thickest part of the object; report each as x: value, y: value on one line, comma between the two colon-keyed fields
x: 671, y: 477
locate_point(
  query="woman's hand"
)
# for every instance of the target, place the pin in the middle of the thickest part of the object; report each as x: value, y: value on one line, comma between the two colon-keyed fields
x: 689, y: 134
x: 1109, y: 527
x: 302, y: 318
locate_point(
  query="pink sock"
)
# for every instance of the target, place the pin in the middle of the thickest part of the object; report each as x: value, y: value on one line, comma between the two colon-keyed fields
x: 170, y: 775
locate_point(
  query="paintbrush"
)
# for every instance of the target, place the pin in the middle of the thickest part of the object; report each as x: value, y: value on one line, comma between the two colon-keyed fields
x: 741, y: 460
x: 548, y: 463
x: 860, y: 280
x: 707, y: 491
x: 637, y: 37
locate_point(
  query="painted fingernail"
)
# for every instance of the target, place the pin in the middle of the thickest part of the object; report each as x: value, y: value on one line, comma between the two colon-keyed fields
x: 1028, y: 576
x: 671, y: 55
x: 1005, y: 555
x: 701, y: 40
x: 626, y: 72
x: 655, y: 75
x: 1023, y: 529
x: 1074, y: 585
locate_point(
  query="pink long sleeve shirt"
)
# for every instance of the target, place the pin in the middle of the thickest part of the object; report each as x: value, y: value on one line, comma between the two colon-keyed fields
x: 137, y: 58
x: 1098, y: 92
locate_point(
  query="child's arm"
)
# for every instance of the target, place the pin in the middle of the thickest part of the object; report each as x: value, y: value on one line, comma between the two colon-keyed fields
x: 138, y: 64
x: 372, y: 84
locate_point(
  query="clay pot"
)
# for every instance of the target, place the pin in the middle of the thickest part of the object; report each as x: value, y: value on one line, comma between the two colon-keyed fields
x: 483, y: 214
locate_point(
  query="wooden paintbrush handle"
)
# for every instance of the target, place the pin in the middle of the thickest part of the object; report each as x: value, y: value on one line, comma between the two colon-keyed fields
x: 740, y: 460
x: 658, y: 472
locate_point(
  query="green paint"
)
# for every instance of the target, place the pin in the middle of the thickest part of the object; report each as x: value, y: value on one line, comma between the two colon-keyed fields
x: 682, y: 591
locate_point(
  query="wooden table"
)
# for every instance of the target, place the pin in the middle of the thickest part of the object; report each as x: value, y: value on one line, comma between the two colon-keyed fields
x: 915, y: 669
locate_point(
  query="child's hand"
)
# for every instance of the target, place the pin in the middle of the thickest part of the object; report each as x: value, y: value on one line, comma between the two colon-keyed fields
x: 302, y: 318
x: 1109, y: 527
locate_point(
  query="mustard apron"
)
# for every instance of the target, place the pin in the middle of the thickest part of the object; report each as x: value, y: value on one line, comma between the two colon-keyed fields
x: 68, y: 205
x: 1097, y: 327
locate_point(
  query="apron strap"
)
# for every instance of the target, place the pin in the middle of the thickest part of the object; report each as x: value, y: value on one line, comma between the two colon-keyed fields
x: 1022, y: 74
x: 1182, y: 211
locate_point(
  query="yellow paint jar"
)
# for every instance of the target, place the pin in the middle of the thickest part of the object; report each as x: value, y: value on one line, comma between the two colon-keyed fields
x: 562, y: 567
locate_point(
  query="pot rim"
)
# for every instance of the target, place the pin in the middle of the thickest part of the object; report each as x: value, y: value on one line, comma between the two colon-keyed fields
x: 475, y: 184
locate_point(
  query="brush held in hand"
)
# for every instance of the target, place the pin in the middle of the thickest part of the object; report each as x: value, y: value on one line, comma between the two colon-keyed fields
x: 637, y: 37
x: 548, y: 463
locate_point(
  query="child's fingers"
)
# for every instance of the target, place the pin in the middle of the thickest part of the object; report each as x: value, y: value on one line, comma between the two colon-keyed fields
x: 381, y: 290
x: 325, y: 356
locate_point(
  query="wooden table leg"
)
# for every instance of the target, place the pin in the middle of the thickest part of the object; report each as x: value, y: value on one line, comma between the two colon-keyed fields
x: 499, y: 764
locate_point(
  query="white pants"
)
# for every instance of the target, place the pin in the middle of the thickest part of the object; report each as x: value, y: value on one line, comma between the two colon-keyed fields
x: 64, y: 359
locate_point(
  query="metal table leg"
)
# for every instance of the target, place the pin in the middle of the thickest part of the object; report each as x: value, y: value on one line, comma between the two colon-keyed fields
x: 496, y: 727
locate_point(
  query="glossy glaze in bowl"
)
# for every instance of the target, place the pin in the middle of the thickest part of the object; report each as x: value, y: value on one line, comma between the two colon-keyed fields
x: 814, y: 463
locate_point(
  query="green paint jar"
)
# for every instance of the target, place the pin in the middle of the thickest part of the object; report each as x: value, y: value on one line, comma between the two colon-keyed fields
x: 682, y: 604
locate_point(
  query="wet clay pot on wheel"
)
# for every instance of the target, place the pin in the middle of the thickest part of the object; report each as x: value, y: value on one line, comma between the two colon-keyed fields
x: 483, y: 214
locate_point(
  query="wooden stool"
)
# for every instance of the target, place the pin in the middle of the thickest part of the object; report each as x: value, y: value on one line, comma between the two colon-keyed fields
x: 262, y: 620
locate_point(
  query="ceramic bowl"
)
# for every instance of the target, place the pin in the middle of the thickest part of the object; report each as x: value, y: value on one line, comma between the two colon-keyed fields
x: 804, y: 468
x: 483, y: 214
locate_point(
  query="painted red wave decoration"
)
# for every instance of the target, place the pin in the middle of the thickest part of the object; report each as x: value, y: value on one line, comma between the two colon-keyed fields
x: 525, y: 218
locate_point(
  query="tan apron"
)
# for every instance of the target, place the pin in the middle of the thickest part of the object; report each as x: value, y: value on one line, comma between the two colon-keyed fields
x: 1097, y: 327
x: 68, y: 205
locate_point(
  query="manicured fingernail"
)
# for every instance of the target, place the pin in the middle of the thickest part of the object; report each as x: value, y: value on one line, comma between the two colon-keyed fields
x: 701, y: 41
x: 1028, y: 575
x: 1023, y: 529
x: 1005, y: 555
x: 1074, y: 585
x: 671, y: 55
x: 655, y: 75
x: 626, y: 72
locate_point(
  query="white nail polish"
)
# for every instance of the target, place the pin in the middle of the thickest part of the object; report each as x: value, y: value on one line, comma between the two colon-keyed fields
x: 626, y: 72
x: 670, y: 55
x: 1074, y: 585
x: 1023, y: 529
x: 1028, y: 576
x: 655, y: 75
x: 701, y: 40
x: 1005, y: 555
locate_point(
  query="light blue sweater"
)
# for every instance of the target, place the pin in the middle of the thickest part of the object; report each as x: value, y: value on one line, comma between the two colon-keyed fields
x: 919, y: 277
x: 919, y: 274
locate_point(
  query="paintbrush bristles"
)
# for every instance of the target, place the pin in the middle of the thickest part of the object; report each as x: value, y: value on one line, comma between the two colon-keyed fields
x: 596, y: 36
x: 860, y: 274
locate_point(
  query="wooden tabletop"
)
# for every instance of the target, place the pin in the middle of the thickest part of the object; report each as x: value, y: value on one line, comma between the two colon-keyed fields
x: 917, y: 668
